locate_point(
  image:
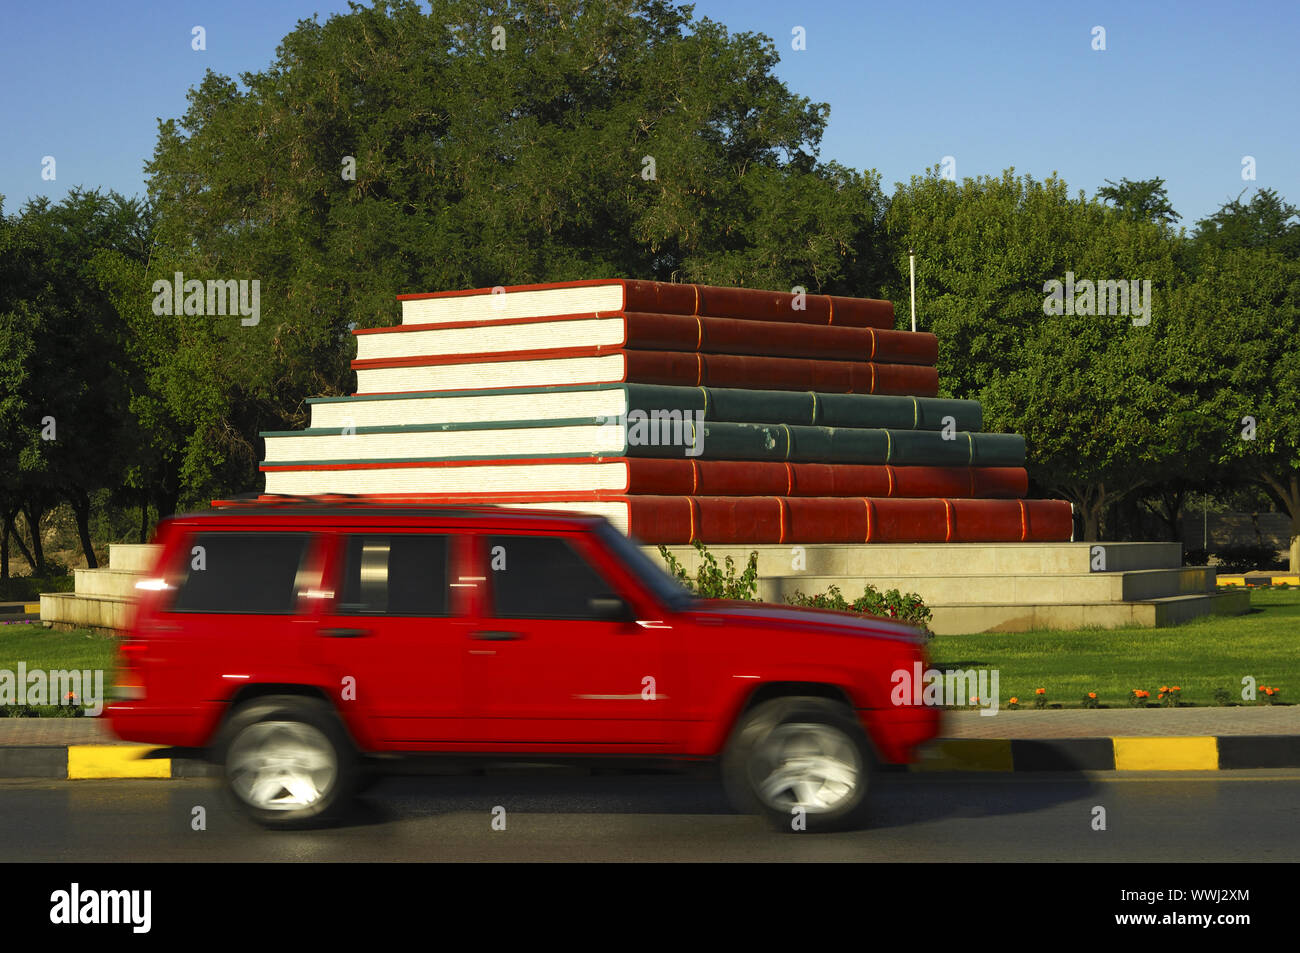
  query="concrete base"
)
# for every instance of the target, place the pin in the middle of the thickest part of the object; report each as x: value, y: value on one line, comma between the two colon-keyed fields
x: 999, y: 587
x: 102, y: 597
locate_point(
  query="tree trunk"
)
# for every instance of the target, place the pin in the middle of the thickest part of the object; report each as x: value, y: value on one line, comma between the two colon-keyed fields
x: 6, y: 520
x: 34, y: 513
x: 1287, y: 492
x: 1170, y: 504
x: 1090, y: 501
x: 11, y: 523
x: 164, y: 501
x: 80, y: 501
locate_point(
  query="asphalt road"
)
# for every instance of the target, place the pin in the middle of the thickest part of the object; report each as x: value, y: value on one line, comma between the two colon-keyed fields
x: 1247, y: 816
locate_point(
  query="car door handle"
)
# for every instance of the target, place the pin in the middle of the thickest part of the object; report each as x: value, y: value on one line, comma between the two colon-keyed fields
x: 344, y: 633
x: 498, y: 636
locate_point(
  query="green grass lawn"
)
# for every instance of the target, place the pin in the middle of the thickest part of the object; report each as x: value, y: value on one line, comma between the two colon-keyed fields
x: 1199, y: 657
x: 48, y: 650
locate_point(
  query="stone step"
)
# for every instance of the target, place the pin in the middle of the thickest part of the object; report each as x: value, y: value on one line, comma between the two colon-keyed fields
x: 964, y: 588
x: 131, y: 557
x: 936, y: 559
x: 117, y: 583
x: 1152, y: 613
x: 68, y: 610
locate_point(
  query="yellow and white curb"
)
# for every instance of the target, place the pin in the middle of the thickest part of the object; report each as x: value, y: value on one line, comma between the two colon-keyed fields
x: 1205, y: 753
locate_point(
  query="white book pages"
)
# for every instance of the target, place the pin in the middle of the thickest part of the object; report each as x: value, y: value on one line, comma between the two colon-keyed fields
x: 503, y: 306
x: 600, y: 369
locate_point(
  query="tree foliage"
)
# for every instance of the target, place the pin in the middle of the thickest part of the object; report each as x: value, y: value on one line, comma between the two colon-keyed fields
x: 390, y: 150
x: 1146, y: 200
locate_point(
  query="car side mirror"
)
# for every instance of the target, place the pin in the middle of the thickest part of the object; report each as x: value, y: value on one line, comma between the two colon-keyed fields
x: 609, y: 609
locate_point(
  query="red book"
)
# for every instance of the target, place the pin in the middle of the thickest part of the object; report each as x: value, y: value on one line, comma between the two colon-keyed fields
x: 644, y: 331
x: 678, y: 519
x: 467, y: 481
x: 618, y: 294
x: 566, y: 366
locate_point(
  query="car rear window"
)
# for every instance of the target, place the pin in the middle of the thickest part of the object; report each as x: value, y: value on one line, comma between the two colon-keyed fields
x: 397, y: 574
x: 241, y: 573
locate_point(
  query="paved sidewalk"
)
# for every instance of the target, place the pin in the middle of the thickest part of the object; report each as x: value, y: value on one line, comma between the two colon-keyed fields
x: 21, y: 732
x: 1121, y: 722
x: 1061, y: 723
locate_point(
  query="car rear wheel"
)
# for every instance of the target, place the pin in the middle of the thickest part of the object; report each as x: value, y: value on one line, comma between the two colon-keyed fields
x: 287, y: 762
x: 804, y: 763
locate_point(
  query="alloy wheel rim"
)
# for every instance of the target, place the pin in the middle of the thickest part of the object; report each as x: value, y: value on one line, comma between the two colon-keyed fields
x: 813, y: 767
x: 282, y: 765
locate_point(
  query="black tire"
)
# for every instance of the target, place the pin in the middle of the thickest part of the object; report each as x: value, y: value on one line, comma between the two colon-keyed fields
x: 816, y: 742
x: 291, y: 739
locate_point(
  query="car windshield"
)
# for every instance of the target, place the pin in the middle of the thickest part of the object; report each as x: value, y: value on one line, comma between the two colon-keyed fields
x: 667, y: 589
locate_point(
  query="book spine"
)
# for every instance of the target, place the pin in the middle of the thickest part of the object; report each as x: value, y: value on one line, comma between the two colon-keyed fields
x: 738, y: 405
x: 715, y: 520
x: 792, y: 442
x: 647, y: 476
x: 673, y: 332
x: 777, y: 373
x: 756, y: 305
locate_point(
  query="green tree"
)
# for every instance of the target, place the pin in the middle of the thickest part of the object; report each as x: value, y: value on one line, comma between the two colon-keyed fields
x: 1143, y: 201
x: 1266, y: 221
x: 1087, y: 391
x: 1248, y: 301
x: 62, y: 367
x: 485, y: 142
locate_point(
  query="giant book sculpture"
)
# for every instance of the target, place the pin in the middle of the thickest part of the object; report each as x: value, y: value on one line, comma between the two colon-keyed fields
x: 679, y: 412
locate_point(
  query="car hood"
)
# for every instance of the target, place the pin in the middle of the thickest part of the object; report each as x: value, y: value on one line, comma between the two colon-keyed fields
x: 829, y: 621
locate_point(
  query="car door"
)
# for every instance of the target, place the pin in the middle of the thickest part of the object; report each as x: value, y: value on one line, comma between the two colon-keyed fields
x: 231, y: 613
x: 393, y: 636
x: 556, y: 659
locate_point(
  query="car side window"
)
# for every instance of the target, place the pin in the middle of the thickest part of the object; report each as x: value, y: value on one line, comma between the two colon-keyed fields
x: 542, y: 577
x: 394, y: 574
x: 241, y: 573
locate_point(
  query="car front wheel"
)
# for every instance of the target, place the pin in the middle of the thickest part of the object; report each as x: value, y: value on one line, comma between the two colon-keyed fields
x: 804, y: 763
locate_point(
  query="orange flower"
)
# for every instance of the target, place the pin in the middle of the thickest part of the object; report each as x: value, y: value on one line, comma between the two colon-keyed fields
x: 1164, y: 688
x: 1040, y: 691
x: 1092, y: 694
x: 1014, y: 701
x: 1176, y: 689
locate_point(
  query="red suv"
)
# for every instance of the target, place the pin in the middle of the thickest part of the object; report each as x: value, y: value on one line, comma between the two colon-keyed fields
x: 293, y: 643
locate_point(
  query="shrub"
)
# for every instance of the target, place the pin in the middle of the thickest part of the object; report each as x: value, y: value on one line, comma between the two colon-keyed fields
x: 1246, y: 558
x: 1090, y: 700
x: 29, y: 588
x: 905, y: 607
x: 1222, y: 697
x: 710, y: 581
x: 1196, y: 557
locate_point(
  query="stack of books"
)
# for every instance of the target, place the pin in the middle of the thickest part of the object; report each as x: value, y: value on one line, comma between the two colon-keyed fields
x: 679, y: 412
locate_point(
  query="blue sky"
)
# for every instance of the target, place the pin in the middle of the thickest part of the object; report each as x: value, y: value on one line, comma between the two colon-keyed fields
x: 1183, y: 90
